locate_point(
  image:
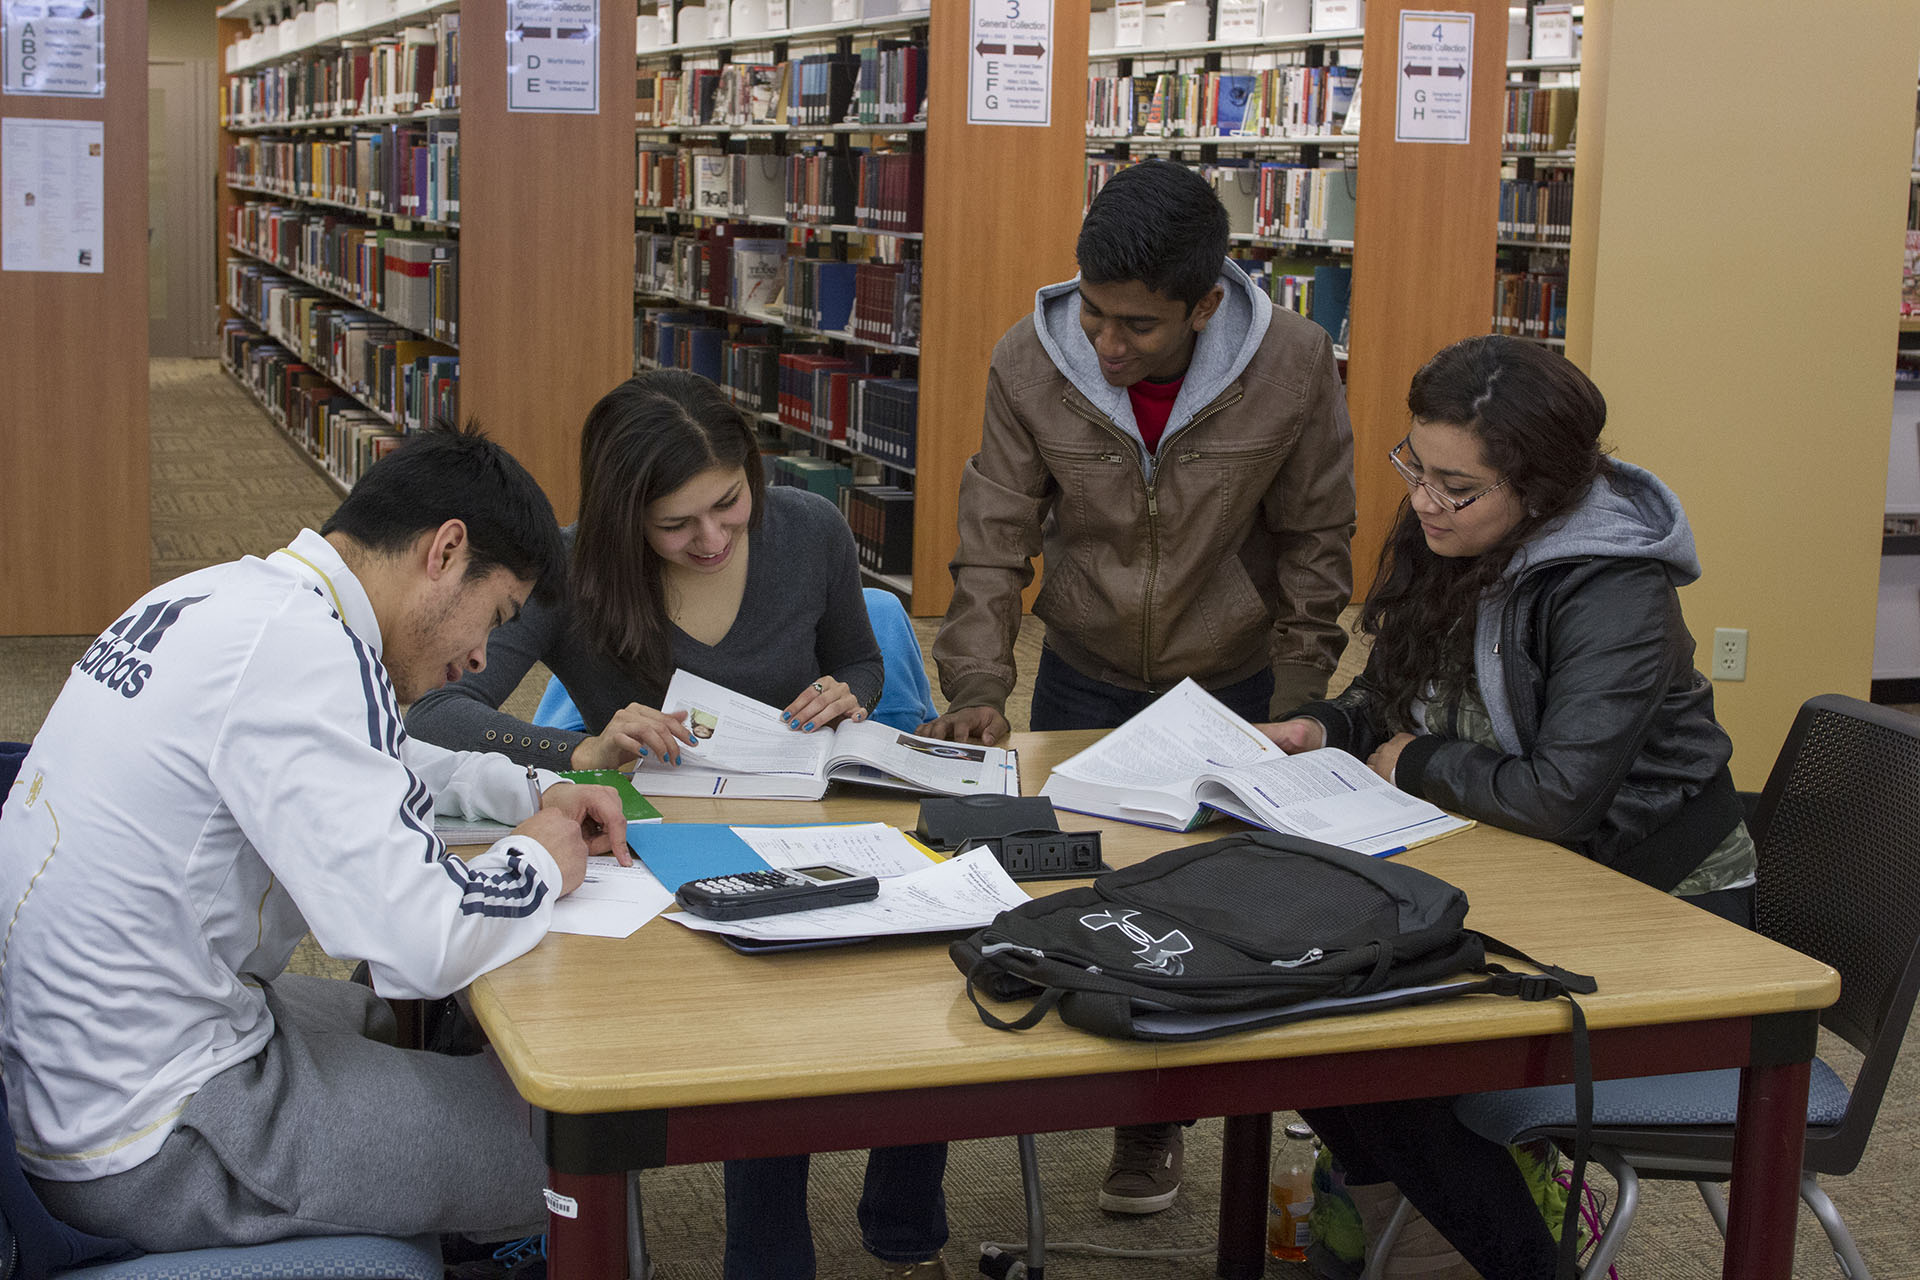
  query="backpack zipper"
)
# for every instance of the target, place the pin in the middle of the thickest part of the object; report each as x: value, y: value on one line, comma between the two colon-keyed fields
x: 1308, y: 956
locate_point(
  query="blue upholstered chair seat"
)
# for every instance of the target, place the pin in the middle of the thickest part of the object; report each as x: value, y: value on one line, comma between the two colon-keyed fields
x: 305, y: 1258
x: 1690, y: 1098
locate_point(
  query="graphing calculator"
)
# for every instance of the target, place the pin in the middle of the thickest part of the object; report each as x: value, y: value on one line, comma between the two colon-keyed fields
x: 771, y: 892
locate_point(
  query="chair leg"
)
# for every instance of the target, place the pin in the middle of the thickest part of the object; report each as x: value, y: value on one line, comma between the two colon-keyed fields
x: 639, y: 1267
x: 1382, y: 1249
x: 1625, y: 1205
x: 1716, y: 1201
x: 1845, y: 1252
x: 1036, y: 1213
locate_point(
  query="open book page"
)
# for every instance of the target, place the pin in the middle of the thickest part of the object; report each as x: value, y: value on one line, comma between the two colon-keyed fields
x: 1330, y: 796
x: 1149, y: 764
x: 871, y: 848
x: 966, y: 892
x: 734, y: 734
x: 868, y: 748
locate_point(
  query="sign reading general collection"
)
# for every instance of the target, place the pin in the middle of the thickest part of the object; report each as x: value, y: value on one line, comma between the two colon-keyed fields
x: 56, y: 48
x: 1435, y: 77
x: 553, y: 56
x: 1010, y: 62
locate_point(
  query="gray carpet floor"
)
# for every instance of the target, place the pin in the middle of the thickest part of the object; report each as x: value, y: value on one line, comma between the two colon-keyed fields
x: 226, y: 484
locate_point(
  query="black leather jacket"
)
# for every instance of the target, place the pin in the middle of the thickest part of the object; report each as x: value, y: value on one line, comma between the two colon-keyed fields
x: 1621, y: 760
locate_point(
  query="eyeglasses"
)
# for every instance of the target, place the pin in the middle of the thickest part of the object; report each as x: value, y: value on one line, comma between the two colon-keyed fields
x: 1415, y: 480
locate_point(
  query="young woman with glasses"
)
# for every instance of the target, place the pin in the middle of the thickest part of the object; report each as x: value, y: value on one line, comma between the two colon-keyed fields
x: 1530, y: 669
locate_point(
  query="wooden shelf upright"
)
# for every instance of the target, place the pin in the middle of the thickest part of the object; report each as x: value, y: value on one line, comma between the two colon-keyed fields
x: 1003, y: 207
x: 1424, y: 237
x: 73, y: 382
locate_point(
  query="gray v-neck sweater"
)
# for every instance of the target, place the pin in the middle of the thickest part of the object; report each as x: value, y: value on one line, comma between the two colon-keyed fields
x: 802, y: 615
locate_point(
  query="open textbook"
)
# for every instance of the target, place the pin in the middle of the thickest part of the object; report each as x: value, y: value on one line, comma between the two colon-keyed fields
x: 742, y: 749
x: 1187, y: 753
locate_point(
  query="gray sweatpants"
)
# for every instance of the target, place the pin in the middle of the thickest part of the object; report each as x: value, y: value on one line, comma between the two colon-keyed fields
x: 329, y: 1130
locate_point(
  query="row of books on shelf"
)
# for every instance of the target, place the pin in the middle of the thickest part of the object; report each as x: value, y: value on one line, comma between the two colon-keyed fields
x: 407, y: 170
x: 1294, y: 101
x: 315, y: 24
x: 1190, y: 21
x: 1286, y: 201
x: 660, y: 24
x: 1530, y: 304
x: 1540, y: 119
x: 851, y: 399
x: 412, y: 280
x: 414, y: 69
x: 1537, y: 209
x: 1322, y: 292
x: 344, y: 436
x: 856, y: 399
x: 880, y: 515
x: 883, y: 83
x: 742, y: 268
x: 410, y: 381
x: 880, y: 190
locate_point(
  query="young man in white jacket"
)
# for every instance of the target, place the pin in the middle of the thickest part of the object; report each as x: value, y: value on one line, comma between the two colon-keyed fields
x: 227, y: 769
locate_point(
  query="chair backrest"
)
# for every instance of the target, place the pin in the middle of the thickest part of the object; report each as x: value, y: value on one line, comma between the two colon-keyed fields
x: 1838, y: 832
x: 906, y: 699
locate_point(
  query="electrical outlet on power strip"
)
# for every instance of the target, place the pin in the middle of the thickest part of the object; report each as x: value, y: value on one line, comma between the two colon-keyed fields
x: 1730, y: 653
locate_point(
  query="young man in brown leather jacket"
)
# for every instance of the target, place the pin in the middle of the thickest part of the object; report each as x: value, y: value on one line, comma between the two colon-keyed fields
x: 1179, y: 450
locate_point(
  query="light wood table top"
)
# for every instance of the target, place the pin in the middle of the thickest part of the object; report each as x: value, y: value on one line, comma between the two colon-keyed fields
x: 670, y: 1018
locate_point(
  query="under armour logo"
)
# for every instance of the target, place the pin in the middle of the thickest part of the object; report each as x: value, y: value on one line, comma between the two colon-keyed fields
x: 1157, y: 955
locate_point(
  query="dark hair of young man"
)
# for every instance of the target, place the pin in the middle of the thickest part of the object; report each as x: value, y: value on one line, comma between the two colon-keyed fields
x: 449, y: 473
x: 1159, y: 223
x: 645, y: 439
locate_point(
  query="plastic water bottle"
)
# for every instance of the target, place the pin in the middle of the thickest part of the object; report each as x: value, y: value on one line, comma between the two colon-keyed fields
x: 1290, y: 1194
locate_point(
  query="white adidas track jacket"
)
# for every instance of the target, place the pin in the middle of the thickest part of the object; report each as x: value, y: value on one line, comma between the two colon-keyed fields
x: 225, y: 769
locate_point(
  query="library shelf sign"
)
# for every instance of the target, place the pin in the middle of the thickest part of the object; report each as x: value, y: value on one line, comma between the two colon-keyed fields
x: 54, y: 48
x: 1010, y: 62
x: 1435, y: 77
x: 553, y: 56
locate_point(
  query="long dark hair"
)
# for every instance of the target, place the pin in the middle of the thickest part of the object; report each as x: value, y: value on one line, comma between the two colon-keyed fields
x: 1538, y: 420
x: 646, y: 438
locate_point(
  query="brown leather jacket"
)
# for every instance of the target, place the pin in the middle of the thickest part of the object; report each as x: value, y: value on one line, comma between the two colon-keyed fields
x: 1227, y: 552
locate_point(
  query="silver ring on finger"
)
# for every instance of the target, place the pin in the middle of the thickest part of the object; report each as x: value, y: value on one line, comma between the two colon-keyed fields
x: 817, y: 687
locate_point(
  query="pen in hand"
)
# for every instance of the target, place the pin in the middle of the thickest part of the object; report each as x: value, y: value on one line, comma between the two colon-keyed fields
x: 533, y: 788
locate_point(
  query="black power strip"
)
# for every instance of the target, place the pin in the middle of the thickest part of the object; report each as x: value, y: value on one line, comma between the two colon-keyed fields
x: 1021, y: 831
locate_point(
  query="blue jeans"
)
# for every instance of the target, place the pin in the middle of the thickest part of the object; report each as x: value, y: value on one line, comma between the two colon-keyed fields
x: 902, y: 1212
x: 1064, y: 698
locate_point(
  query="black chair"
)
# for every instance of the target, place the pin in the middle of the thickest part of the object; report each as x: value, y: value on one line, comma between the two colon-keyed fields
x: 1838, y: 832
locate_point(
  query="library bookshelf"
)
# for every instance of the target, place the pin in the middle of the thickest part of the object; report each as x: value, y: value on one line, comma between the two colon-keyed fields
x: 723, y: 185
x: 417, y: 250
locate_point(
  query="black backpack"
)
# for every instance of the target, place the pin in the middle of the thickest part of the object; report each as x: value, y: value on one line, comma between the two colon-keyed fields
x: 1249, y: 931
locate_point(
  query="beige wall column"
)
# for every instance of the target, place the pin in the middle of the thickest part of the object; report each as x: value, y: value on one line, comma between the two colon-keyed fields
x: 1735, y: 281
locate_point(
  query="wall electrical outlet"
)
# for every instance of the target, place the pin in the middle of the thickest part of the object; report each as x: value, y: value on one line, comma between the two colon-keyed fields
x: 1730, y: 653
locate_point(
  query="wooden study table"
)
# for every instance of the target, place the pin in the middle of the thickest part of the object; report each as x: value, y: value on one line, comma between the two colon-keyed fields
x: 669, y: 1048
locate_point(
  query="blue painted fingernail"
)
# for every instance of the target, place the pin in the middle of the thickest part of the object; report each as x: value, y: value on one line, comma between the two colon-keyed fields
x: 809, y: 728
x: 643, y: 753
x: 786, y: 715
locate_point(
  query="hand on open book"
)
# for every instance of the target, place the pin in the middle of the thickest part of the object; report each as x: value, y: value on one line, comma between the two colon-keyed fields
x: 1296, y: 735
x: 984, y: 725
x: 820, y: 704
x: 633, y: 732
